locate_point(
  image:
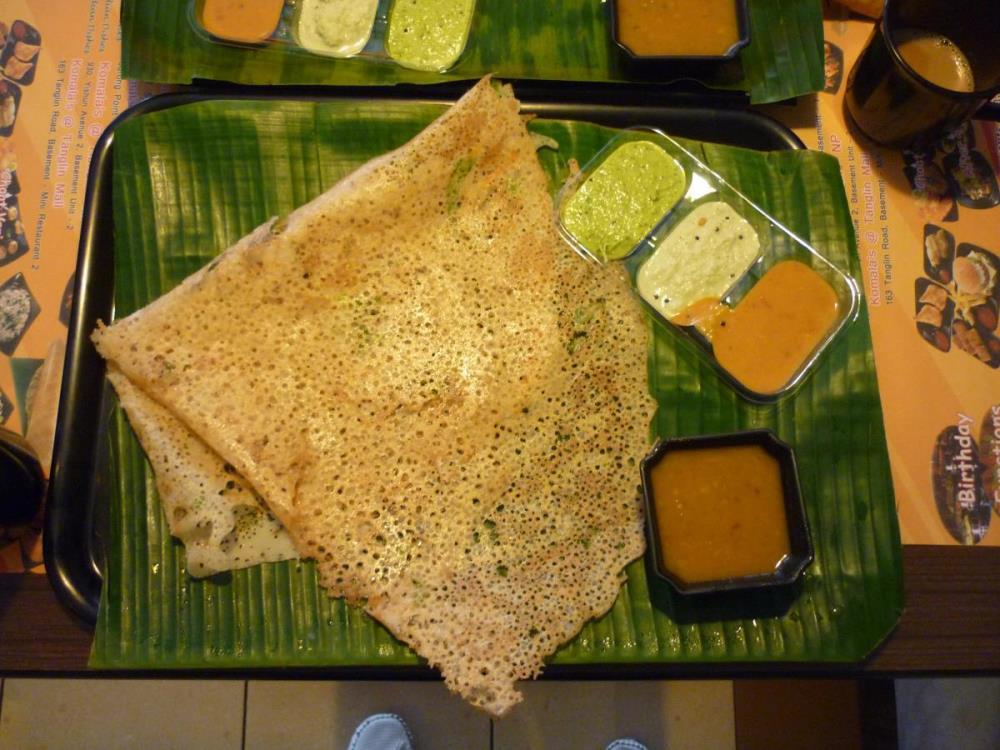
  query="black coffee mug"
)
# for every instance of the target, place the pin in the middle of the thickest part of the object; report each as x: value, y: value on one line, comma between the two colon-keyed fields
x: 22, y: 485
x: 896, y: 106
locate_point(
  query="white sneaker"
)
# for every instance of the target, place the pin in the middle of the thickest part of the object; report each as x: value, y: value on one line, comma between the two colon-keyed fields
x: 382, y: 732
x: 626, y: 744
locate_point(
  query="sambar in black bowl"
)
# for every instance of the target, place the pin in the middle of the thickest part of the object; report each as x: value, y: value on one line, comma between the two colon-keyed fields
x: 724, y: 512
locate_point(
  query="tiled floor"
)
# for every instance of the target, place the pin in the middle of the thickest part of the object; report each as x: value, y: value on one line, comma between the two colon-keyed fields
x: 675, y: 715
x: 958, y: 712
x: 229, y: 715
x: 112, y: 714
x: 153, y: 714
x: 317, y: 715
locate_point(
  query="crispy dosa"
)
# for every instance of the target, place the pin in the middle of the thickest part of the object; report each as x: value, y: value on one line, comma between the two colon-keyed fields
x: 443, y: 404
x: 223, y: 524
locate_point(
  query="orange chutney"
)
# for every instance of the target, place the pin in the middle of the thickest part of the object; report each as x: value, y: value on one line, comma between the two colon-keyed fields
x: 771, y: 332
x: 720, y: 512
x: 677, y: 27
x: 249, y: 21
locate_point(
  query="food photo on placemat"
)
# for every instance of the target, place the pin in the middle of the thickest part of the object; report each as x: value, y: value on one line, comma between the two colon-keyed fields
x: 10, y: 100
x: 19, y: 54
x: 18, y: 310
x: 13, y: 242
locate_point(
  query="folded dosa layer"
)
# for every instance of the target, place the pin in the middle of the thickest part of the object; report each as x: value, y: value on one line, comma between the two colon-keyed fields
x: 442, y: 403
x: 218, y: 517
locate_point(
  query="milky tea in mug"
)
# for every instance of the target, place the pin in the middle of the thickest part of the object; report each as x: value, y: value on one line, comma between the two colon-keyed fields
x: 929, y: 65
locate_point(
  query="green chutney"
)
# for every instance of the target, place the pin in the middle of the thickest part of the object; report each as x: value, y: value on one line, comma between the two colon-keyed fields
x: 428, y: 34
x: 623, y: 199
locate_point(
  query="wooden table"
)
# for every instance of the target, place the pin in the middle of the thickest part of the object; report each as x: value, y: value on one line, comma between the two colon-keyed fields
x: 950, y: 625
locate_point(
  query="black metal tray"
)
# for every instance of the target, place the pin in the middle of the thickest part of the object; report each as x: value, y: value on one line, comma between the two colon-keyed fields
x: 75, y: 514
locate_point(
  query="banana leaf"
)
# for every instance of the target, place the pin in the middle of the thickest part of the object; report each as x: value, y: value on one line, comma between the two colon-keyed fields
x: 560, y: 40
x: 189, y: 181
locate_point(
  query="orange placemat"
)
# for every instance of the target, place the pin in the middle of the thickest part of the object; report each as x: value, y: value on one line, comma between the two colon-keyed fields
x: 65, y: 91
x: 915, y: 213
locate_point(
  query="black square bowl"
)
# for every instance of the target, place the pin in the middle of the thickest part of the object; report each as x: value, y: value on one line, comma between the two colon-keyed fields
x: 800, y: 544
x: 696, y: 62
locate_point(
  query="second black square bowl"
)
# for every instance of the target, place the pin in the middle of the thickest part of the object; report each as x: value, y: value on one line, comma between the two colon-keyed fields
x: 800, y: 552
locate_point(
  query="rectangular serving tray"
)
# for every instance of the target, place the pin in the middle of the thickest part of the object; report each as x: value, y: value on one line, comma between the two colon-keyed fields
x: 82, y: 476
